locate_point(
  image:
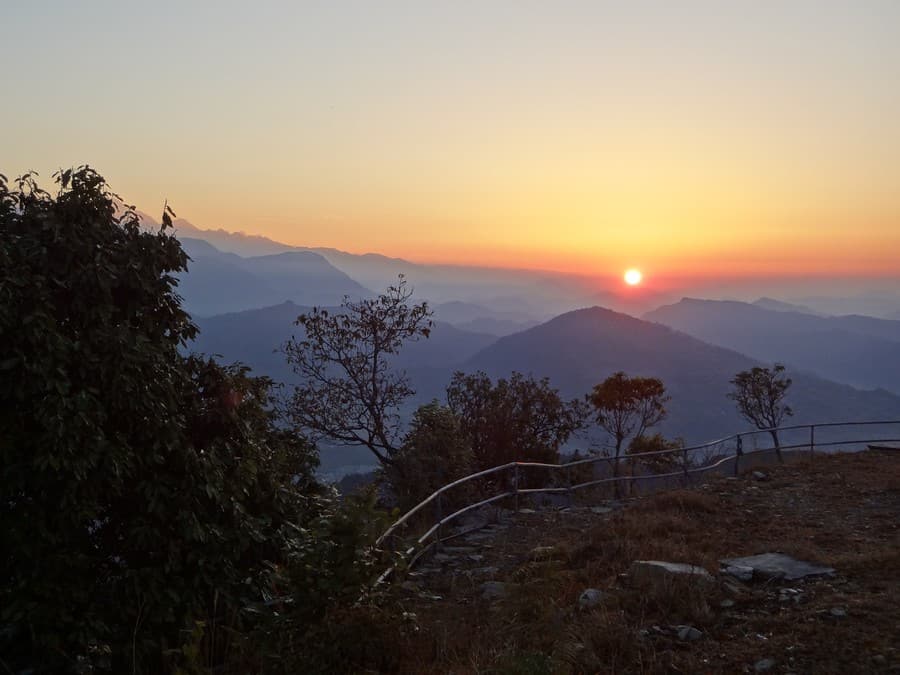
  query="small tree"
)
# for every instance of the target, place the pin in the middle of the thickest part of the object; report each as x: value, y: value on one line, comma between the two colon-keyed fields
x: 434, y: 453
x: 628, y: 406
x: 516, y: 419
x: 759, y: 394
x: 349, y: 393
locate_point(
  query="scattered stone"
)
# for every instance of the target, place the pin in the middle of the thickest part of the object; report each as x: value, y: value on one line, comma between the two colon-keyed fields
x: 411, y: 586
x: 458, y: 550
x: 601, y: 510
x: 655, y: 572
x: 543, y: 552
x: 527, y: 511
x: 688, y: 633
x: 493, y: 590
x: 589, y: 598
x: 838, y: 612
x: 476, y: 557
x: 777, y: 566
x: 764, y: 665
x: 484, y: 571
x: 879, y: 660
x: 759, y: 475
x: 430, y: 596
x: 442, y: 557
x: 726, y: 603
x: 740, y: 572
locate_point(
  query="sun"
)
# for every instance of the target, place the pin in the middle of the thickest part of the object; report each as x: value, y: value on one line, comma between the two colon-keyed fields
x: 633, y: 277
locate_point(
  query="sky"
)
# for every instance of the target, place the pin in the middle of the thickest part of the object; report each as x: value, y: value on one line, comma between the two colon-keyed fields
x: 690, y: 139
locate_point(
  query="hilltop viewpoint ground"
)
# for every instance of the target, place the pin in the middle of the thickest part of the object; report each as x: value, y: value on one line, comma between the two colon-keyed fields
x: 511, y: 598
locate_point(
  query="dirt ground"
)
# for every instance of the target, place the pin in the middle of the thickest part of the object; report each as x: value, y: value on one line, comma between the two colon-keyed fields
x: 505, y: 598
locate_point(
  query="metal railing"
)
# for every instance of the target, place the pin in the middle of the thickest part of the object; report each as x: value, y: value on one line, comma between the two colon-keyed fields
x: 690, y: 461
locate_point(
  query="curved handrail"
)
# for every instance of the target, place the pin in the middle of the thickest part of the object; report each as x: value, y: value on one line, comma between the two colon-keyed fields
x: 589, y: 460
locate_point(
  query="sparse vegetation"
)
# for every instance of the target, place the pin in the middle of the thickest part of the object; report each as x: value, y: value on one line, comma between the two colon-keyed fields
x: 349, y: 393
x: 759, y: 394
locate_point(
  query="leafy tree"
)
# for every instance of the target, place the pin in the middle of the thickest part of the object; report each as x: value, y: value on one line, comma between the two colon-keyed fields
x: 139, y: 488
x: 519, y: 418
x: 664, y: 463
x: 628, y: 406
x: 349, y: 393
x: 760, y: 397
x: 434, y: 453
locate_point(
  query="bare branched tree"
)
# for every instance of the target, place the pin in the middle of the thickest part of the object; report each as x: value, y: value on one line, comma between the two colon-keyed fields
x: 349, y: 392
x: 759, y: 394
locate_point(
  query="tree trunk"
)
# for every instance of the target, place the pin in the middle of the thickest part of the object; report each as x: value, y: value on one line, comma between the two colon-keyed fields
x: 774, y: 434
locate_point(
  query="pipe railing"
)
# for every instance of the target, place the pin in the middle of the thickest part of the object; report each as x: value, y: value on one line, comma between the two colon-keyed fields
x: 717, y: 446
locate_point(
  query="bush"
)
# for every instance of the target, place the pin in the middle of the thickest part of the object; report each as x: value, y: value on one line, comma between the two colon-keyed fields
x: 434, y: 453
x: 142, y: 489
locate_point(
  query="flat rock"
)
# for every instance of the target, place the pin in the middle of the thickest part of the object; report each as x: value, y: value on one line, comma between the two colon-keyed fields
x: 740, y: 572
x: 590, y: 598
x: 688, y: 633
x: 653, y: 572
x: 777, y: 566
x: 764, y: 665
x: 493, y: 590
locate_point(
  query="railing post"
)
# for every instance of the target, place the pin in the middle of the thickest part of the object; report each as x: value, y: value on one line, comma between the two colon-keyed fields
x: 812, y: 439
x: 740, y: 452
x: 516, y: 486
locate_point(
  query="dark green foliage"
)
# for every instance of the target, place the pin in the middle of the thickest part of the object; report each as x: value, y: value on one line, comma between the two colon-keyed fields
x: 141, y: 489
x: 662, y: 463
x: 516, y: 419
x: 434, y: 453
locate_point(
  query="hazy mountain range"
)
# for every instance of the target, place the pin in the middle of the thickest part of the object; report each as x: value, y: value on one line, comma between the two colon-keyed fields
x: 246, y: 292
x: 858, y: 350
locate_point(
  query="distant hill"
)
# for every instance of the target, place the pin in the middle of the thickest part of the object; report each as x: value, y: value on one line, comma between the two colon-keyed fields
x: 218, y: 282
x: 480, y: 319
x: 581, y: 348
x: 779, y: 306
x: 857, y: 350
x: 253, y: 336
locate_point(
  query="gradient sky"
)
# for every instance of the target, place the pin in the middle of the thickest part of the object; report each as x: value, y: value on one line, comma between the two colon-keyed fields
x: 685, y: 138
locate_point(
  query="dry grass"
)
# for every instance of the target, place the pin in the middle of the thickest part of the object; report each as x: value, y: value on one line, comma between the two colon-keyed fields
x: 842, y: 511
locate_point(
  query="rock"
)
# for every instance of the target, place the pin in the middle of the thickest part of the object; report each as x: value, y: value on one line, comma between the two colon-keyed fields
x: 879, y: 660
x: 726, y: 603
x: 759, y: 475
x: 493, y: 590
x: 655, y: 572
x: 777, y: 566
x: 688, y: 633
x: 442, y: 557
x: 411, y: 586
x: 838, y: 613
x: 485, y: 571
x: 601, y: 510
x: 764, y: 665
x: 543, y: 552
x: 527, y: 511
x: 589, y: 598
x: 476, y: 557
x: 457, y: 550
x: 740, y: 572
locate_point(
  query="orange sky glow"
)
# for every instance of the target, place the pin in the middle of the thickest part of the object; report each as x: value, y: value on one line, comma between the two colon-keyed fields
x: 693, y: 140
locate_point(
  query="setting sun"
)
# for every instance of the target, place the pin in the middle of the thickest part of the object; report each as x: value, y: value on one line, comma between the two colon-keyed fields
x: 633, y: 277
